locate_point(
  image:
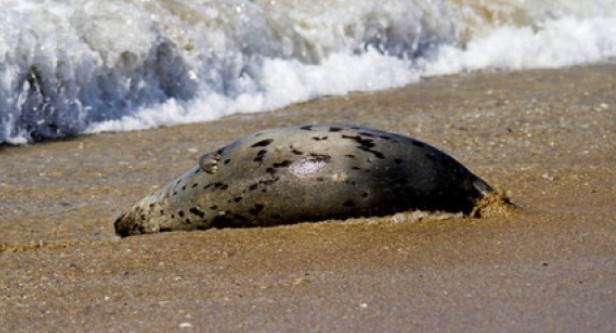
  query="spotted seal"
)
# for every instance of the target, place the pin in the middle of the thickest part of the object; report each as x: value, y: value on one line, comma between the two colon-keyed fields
x: 307, y: 173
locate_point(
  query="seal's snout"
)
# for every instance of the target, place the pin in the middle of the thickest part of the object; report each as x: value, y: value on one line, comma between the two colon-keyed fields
x: 121, y: 226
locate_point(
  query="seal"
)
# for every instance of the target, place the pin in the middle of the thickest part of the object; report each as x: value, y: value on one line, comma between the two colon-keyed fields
x: 307, y: 173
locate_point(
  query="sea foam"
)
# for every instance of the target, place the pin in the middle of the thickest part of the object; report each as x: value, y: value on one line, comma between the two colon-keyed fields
x: 75, y: 66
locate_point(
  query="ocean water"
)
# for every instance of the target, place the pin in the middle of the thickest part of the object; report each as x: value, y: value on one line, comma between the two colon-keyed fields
x: 80, y: 66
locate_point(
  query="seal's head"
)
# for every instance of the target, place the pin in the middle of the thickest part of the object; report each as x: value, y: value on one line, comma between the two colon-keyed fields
x: 133, y: 222
x: 141, y: 218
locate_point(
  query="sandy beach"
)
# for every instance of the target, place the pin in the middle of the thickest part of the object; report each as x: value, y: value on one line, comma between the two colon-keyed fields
x: 546, y: 138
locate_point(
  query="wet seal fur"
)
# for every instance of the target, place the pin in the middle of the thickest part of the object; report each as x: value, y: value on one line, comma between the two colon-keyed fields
x: 307, y: 173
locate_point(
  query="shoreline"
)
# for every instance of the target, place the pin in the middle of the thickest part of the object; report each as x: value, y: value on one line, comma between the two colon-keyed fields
x: 546, y: 138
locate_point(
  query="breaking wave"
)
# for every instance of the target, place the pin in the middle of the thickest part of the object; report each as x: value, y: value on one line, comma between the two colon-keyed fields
x: 75, y: 66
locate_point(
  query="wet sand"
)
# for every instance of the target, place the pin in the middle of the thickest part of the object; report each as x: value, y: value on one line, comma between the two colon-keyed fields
x: 547, y: 138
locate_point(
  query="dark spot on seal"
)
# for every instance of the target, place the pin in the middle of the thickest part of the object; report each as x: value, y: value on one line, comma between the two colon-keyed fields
x: 297, y: 152
x: 377, y: 154
x: 178, y: 182
x: 356, y: 168
x: 270, y: 181
x: 172, y: 216
x: 221, y: 185
x: 162, y: 212
x: 271, y: 171
x: 350, y: 155
x: 227, y: 161
x: 142, y: 217
x: 367, y: 143
x: 319, y: 158
x: 165, y: 229
x: 283, y: 164
x: 187, y: 221
x: 316, y: 138
x: 260, y: 154
x: 207, y: 186
x: 335, y: 129
x: 197, y: 171
x: 398, y: 161
x: 364, y: 195
x: 184, y: 188
x: 320, y: 179
x: 181, y: 213
x: 175, y: 192
x: 256, y: 209
x: 267, y: 182
x: 213, y: 207
x: 237, y: 199
x: 349, y: 203
x: 306, y: 128
x: 196, y: 211
x: 151, y: 205
x: 263, y: 143
x: 370, y: 135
